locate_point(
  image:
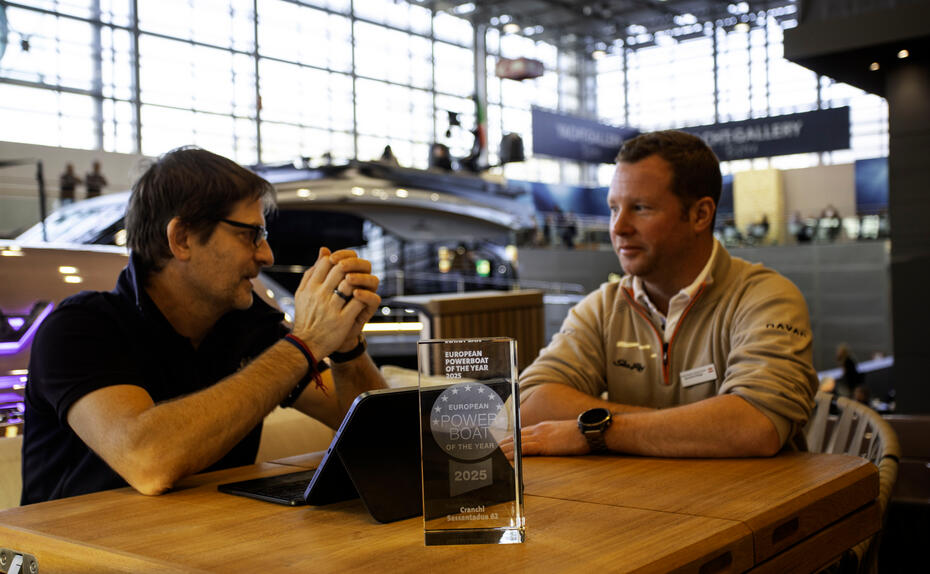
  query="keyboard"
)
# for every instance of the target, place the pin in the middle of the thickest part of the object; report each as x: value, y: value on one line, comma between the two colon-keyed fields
x: 285, y: 489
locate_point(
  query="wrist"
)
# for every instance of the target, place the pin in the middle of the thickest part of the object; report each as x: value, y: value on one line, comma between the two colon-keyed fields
x: 313, y: 372
x: 309, y: 343
x: 352, y: 353
x: 593, y: 424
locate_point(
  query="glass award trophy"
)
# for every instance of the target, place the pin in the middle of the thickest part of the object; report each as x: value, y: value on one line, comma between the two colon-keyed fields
x: 469, y: 403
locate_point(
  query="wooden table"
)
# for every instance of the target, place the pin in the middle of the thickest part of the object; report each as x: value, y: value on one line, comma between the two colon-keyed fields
x: 792, y: 512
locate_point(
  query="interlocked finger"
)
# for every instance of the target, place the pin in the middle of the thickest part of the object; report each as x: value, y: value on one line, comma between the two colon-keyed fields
x: 342, y: 295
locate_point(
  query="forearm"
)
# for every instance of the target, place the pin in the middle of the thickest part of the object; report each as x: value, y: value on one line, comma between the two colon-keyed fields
x: 555, y: 401
x: 155, y: 446
x: 722, y: 426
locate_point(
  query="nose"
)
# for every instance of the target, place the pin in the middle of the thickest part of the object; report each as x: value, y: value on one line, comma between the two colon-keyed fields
x: 621, y: 223
x: 263, y: 254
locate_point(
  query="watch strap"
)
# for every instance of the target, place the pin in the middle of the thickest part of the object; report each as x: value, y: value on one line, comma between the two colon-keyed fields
x: 355, y: 352
x: 596, y: 440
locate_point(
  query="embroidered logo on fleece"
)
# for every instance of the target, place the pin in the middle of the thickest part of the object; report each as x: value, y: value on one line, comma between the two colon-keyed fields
x: 638, y: 367
x: 787, y: 328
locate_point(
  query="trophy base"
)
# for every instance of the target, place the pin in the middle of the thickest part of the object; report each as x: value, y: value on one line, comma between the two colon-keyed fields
x: 475, y: 536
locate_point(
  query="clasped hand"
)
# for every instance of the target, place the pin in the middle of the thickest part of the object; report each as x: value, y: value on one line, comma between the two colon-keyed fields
x: 325, y: 320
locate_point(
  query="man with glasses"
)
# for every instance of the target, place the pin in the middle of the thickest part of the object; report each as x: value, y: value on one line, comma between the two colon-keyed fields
x: 173, y: 371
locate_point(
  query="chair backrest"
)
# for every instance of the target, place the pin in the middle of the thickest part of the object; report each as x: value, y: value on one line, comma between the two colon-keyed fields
x: 854, y: 428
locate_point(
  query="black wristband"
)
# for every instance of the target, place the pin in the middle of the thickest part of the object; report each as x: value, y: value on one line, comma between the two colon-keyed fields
x: 357, y: 351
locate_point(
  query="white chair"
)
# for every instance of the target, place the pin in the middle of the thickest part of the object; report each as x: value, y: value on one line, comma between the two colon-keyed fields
x: 856, y: 429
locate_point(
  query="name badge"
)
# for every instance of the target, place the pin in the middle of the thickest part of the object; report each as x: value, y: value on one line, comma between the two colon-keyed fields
x: 699, y: 375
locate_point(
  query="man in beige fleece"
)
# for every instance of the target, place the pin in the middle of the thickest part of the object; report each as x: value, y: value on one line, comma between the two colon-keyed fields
x: 700, y: 354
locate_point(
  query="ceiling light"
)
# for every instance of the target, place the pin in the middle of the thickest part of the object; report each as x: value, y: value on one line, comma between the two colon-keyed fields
x: 903, y: 54
x: 358, y: 191
x: 303, y: 192
x: 402, y: 193
x: 67, y: 270
x: 874, y: 66
x: 73, y: 279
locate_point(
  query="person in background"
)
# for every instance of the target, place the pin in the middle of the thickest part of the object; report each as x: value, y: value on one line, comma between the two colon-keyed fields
x: 173, y: 371
x: 95, y: 181
x: 852, y: 378
x: 67, y: 184
x: 700, y: 354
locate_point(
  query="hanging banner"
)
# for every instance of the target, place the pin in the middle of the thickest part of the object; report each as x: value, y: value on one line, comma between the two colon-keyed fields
x: 820, y: 130
x: 571, y: 137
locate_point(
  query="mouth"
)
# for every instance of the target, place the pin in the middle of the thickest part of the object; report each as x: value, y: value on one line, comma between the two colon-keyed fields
x: 628, y: 249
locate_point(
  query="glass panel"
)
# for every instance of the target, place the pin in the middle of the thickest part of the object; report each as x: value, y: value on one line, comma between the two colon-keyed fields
x: 304, y: 35
x: 52, y: 50
x: 343, y: 6
x: 118, y: 132
x: 29, y: 115
x: 396, y: 14
x: 452, y: 29
x: 116, y: 63
x: 285, y: 142
x: 454, y: 70
x: 408, y: 154
x: 386, y: 54
x: 306, y: 96
x: 230, y: 20
x: 459, y: 139
x: 733, y: 75
x: 184, y: 75
x: 393, y: 111
x: 115, y: 11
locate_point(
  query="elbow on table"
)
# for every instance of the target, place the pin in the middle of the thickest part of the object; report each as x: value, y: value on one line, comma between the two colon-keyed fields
x: 150, y: 482
x: 765, y: 443
x: 150, y: 476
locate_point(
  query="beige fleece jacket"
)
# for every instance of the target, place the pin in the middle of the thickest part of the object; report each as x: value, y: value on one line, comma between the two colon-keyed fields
x: 747, y: 331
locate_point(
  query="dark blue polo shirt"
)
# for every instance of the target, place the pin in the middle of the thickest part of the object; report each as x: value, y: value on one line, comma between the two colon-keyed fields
x: 98, y: 339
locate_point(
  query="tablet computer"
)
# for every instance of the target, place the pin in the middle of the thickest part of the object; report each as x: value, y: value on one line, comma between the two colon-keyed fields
x: 375, y: 456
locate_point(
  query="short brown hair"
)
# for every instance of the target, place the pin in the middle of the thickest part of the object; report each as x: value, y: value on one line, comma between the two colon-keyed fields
x: 190, y: 183
x: 695, y: 168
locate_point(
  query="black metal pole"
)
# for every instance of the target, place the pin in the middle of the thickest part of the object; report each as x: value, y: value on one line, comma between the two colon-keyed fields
x: 40, y: 177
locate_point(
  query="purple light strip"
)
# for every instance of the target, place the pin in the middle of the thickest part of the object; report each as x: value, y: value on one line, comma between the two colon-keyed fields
x: 12, y: 347
x: 8, y: 383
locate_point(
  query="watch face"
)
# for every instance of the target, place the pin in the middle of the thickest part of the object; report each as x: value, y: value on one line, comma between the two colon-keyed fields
x: 594, y: 417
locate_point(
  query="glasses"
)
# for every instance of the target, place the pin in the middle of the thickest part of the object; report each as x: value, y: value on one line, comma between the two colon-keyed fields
x: 259, y: 232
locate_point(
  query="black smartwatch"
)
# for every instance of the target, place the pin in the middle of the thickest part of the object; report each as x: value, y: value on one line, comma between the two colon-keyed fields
x: 592, y: 423
x: 338, y: 357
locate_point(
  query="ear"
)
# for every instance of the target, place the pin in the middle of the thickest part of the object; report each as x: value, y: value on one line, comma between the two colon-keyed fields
x: 179, y: 239
x: 702, y: 213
